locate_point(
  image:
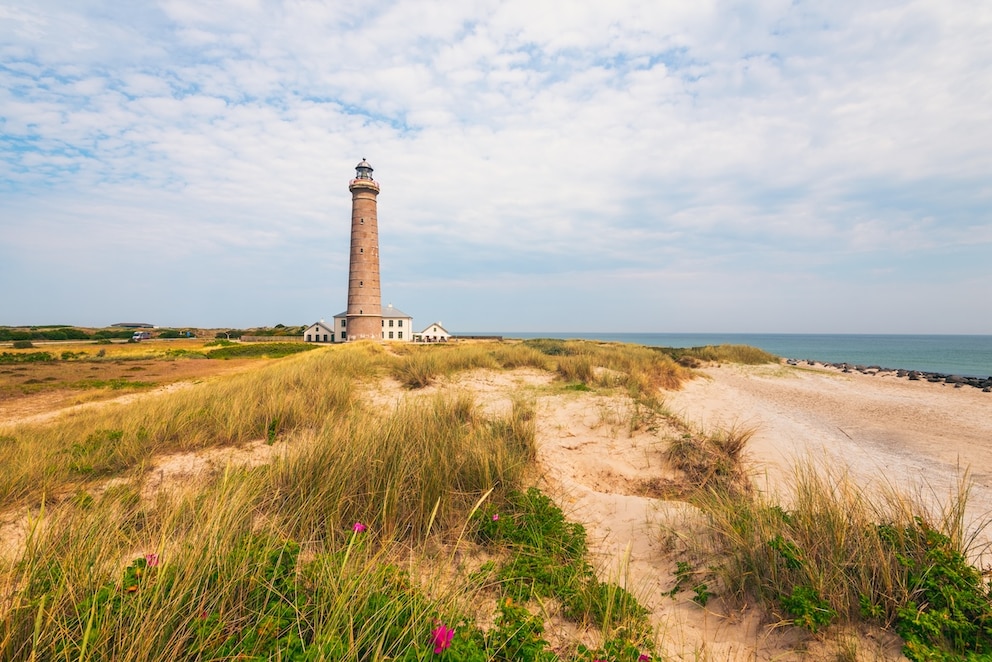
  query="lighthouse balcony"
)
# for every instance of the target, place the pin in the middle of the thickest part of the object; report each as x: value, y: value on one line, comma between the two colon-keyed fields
x: 359, y: 182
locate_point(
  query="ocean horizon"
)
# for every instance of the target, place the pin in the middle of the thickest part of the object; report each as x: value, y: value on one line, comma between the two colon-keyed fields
x: 964, y: 355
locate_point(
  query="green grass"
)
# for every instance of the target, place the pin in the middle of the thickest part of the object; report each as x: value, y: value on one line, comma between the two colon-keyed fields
x: 846, y: 554
x: 270, y: 350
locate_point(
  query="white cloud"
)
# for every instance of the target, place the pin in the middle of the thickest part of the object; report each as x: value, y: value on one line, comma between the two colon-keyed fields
x: 599, y: 139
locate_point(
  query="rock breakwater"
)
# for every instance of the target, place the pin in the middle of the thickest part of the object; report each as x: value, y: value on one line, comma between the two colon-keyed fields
x: 958, y: 381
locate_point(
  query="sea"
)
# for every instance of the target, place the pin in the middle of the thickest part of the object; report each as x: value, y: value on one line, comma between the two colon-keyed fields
x: 964, y: 355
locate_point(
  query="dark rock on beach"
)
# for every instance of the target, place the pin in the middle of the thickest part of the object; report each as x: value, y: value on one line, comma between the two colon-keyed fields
x: 958, y: 381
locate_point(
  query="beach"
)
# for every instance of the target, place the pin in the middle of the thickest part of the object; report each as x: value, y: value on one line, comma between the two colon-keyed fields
x: 909, y: 434
x: 917, y: 437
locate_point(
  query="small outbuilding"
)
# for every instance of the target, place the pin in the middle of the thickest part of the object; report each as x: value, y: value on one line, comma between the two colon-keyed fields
x: 433, y: 333
x: 319, y: 332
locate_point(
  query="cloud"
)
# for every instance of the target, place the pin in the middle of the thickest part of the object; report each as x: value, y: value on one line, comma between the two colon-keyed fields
x: 741, y: 153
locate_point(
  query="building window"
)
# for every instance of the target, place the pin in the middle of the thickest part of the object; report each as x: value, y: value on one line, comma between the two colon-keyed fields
x: 383, y: 322
x: 399, y: 334
x: 399, y: 323
x: 390, y: 322
x: 325, y: 337
x: 390, y: 335
x: 344, y: 336
x: 308, y: 337
x: 343, y: 322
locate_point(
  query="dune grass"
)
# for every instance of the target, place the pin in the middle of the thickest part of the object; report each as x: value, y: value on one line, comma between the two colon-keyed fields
x: 307, y: 391
x: 307, y: 557
x: 843, y: 553
x: 743, y: 354
x: 349, y: 544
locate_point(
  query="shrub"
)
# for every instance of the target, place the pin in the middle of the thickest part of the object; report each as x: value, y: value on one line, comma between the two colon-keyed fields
x: 260, y: 350
x: 829, y: 558
x: 23, y: 344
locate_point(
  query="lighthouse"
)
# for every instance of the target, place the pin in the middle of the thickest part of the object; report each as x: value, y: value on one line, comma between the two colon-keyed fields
x: 364, y: 313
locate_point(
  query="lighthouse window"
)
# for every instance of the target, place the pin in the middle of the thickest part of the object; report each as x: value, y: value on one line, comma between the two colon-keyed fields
x: 362, y: 221
x: 361, y: 284
x: 361, y: 250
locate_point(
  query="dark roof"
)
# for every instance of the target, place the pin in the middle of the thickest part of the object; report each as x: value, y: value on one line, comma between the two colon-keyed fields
x: 134, y: 325
x: 387, y: 311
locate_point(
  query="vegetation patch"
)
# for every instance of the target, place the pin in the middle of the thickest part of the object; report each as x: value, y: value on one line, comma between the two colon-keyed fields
x: 260, y: 350
x: 547, y: 559
x: 117, y: 384
x: 846, y: 555
x: 26, y: 357
x: 691, y: 357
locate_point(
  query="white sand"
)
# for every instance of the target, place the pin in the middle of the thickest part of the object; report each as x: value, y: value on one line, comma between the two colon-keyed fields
x: 910, y: 434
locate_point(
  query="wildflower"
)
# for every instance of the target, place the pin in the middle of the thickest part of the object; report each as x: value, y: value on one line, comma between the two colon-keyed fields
x: 441, y: 637
x: 151, y: 560
x: 496, y: 517
x: 359, y: 527
x: 643, y: 658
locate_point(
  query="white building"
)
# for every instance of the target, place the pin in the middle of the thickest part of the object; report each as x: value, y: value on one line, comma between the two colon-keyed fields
x: 396, y: 325
x: 433, y: 333
x: 319, y: 332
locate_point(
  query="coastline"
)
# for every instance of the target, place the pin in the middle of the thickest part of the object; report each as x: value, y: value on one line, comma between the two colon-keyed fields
x: 956, y: 355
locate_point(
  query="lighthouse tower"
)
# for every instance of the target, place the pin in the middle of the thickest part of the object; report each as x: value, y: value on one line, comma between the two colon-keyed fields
x: 364, y: 314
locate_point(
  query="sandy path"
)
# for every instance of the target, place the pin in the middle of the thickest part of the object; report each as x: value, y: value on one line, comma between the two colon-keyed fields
x: 881, y: 427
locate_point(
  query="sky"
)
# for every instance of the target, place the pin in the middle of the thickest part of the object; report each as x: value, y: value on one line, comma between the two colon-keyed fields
x: 624, y: 166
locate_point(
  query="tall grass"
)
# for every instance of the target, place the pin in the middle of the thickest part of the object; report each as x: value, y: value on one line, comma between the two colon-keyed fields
x: 419, y: 365
x: 297, y: 392
x: 264, y: 560
x: 846, y: 553
x: 640, y: 369
x: 744, y: 354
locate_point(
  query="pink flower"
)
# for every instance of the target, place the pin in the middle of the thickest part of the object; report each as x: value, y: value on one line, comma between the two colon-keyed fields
x: 441, y: 638
x: 151, y: 560
x: 643, y: 658
x: 496, y: 517
x: 359, y: 527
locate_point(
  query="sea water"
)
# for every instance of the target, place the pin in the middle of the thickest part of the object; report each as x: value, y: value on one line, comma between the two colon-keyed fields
x: 969, y: 356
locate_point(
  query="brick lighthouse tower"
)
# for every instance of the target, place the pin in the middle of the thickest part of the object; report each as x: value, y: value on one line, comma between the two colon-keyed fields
x: 364, y: 314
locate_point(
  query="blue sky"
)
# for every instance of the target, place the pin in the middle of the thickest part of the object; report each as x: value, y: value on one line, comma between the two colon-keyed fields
x: 643, y: 166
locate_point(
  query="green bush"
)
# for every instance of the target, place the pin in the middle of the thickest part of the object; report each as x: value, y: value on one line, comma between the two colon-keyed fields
x: 548, y: 559
x: 23, y: 344
x: 260, y: 350
x: 30, y: 357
